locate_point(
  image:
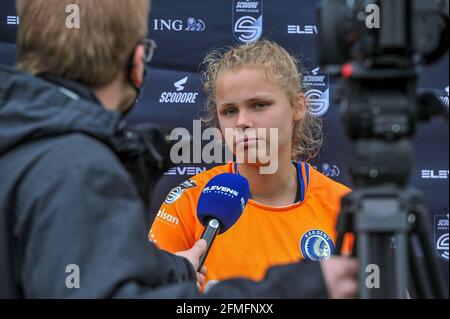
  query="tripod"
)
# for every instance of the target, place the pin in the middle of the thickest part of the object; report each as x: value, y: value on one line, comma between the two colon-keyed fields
x: 377, y: 214
x: 383, y: 206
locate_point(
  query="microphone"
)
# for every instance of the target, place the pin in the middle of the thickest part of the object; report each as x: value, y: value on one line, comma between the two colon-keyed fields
x: 220, y: 205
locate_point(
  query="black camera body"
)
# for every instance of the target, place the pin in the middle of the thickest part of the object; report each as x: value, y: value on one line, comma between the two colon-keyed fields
x: 144, y: 150
x: 376, y: 49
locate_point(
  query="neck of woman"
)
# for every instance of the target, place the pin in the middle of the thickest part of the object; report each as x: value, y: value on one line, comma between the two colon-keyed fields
x: 277, y: 189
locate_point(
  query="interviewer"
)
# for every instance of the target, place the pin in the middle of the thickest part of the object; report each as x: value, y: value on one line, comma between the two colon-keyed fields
x: 66, y: 201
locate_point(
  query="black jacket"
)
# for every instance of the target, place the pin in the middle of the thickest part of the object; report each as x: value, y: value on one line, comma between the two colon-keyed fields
x: 65, y: 199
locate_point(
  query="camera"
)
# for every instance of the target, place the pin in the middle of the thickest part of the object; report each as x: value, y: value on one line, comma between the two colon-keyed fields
x: 144, y: 150
x: 376, y: 49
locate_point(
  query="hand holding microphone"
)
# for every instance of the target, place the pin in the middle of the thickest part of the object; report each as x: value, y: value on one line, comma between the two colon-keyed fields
x: 193, y: 255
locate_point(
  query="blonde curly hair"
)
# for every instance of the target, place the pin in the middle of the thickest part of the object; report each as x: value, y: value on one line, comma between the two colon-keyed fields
x: 279, y: 66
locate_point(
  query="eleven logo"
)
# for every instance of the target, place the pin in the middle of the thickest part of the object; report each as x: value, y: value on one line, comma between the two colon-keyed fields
x: 189, y: 171
x: 12, y: 20
x: 303, y: 30
x: 434, y: 174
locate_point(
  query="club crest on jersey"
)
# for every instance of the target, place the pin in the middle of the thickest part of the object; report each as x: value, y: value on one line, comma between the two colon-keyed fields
x: 175, y: 193
x: 316, y: 245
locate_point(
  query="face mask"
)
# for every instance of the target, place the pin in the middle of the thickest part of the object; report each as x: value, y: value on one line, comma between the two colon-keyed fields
x: 138, y: 90
x: 149, y: 47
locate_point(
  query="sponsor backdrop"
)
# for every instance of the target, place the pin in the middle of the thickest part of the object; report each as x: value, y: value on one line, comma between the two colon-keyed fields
x: 186, y: 30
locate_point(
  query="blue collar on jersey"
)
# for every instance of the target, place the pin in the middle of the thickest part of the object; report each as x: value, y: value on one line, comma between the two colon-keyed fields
x: 303, y: 179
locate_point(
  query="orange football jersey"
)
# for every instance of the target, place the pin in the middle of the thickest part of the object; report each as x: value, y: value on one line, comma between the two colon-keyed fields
x: 263, y: 236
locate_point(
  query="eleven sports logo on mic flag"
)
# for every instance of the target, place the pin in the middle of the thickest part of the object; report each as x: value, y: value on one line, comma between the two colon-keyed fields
x: 247, y: 20
x: 225, y: 191
x: 223, y: 198
x: 220, y: 190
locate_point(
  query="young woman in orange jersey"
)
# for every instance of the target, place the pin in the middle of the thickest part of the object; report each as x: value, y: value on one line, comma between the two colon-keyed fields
x: 292, y: 212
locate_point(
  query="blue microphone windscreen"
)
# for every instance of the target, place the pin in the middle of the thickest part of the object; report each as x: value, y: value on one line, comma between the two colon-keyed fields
x: 223, y: 198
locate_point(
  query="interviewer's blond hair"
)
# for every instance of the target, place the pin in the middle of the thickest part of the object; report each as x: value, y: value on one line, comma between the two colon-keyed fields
x: 92, y: 54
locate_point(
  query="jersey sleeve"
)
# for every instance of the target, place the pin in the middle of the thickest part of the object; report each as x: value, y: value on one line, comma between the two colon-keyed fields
x: 174, y: 227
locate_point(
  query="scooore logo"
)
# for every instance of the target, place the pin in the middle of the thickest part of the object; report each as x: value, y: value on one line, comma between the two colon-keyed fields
x: 223, y: 190
x: 179, y: 85
x: 179, y: 96
x: 177, y: 25
x: 444, y: 99
x: 434, y: 174
x: 247, y: 20
x: 315, y: 77
x: 441, y: 227
x: 317, y: 94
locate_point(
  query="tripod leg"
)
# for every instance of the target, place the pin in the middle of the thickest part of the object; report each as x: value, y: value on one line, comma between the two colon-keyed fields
x: 363, y: 255
x: 401, y: 267
x: 418, y: 280
x: 339, y: 243
x: 373, y: 251
x: 343, y: 225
